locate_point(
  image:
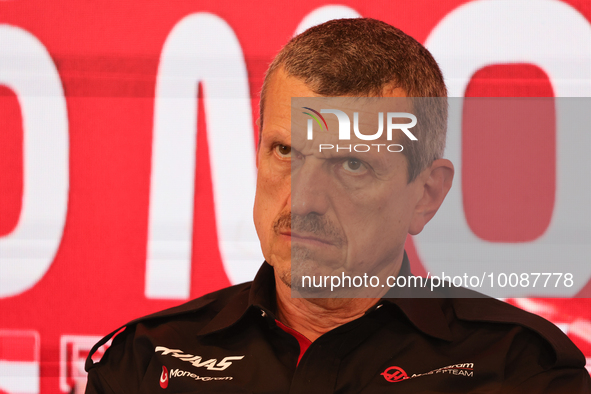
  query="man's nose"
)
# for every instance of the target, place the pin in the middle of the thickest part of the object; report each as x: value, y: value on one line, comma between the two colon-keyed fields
x: 309, y: 186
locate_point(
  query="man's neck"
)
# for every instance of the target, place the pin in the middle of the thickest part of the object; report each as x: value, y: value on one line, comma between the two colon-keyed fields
x: 313, y: 317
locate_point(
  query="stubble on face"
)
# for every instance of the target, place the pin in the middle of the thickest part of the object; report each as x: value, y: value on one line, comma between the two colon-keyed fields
x: 305, y: 260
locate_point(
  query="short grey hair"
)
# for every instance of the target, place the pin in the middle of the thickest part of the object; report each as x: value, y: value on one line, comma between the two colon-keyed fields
x: 365, y: 57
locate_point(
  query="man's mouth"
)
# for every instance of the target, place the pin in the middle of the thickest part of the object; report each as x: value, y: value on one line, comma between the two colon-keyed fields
x: 311, y: 230
x: 306, y: 238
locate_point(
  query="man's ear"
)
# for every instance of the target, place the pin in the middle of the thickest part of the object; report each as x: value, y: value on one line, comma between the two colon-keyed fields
x: 433, y: 183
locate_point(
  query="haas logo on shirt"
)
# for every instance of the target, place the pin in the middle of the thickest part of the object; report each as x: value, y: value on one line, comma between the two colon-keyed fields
x: 394, y: 374
x: 197, y: 361
x: 397, y: 374
x: 164, y: 378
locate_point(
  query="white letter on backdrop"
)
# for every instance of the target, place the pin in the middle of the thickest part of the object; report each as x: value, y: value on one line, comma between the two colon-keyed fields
x: 28, y: 70
x: 201, y: 48
x: 483, y: 33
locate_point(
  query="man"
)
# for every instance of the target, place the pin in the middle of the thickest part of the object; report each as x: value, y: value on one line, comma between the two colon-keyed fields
x: 329, y: 212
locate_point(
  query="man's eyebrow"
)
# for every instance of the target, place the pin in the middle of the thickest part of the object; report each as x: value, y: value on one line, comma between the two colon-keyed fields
x: 282, y: 129
x: 377, y: 161
x: 276, y: 131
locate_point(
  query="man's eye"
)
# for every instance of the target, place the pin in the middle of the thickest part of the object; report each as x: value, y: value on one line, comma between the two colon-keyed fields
x: 354, y: 165
x: 283, y: 150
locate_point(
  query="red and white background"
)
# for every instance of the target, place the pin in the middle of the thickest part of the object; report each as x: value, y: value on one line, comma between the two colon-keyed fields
x: 127, y: 155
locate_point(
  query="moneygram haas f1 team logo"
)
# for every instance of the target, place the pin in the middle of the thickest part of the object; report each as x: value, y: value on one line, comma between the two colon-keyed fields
x: 397, y: 374
x: 394, y: 374
x: 345, y: 128
x: 164, y: 378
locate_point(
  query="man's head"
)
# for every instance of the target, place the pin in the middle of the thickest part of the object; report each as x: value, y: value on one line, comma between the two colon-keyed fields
x: 335, y: 211
x: 367, y: 58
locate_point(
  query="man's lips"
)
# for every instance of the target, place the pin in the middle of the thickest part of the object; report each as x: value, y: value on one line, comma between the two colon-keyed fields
x: 308, y: 238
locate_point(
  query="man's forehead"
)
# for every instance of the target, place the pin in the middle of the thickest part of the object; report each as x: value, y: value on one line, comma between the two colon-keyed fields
x: 358, y: 119
x: 283, y: 86
x: 287, y: 106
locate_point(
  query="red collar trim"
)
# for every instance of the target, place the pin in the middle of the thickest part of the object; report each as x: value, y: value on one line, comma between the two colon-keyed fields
x: 302, y: 340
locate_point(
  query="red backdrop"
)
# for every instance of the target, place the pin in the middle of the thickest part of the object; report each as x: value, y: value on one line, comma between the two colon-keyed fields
x: 89, y: 276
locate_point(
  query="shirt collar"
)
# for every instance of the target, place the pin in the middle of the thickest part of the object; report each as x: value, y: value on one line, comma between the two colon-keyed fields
x: 258, y: 298
x: 423, y: 310
x: 426, y: 314
x: 262, y: 291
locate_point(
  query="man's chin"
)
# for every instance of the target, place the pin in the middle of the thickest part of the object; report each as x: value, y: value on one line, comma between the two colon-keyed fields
x: 293, y: 280
x: 299, y: 289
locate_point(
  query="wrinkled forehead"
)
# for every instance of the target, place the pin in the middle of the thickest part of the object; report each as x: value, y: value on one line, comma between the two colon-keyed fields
x: 351, y: 120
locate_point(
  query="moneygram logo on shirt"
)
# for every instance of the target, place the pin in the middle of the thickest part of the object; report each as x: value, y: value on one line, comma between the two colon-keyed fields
x: 345, y: 129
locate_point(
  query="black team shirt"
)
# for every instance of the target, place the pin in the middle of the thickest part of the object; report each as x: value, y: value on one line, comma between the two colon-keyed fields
x: 229, y: 341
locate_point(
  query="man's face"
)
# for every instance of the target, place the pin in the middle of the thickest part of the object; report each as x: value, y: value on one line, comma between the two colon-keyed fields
x: 331, y: 211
